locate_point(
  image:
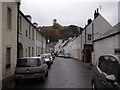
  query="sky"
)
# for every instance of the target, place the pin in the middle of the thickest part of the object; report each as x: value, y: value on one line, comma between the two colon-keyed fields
x: 69, y: 12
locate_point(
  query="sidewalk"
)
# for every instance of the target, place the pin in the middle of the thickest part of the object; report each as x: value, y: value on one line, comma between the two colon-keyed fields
x: 87, y: 65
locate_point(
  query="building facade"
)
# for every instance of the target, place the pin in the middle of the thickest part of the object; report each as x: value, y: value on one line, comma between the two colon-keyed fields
x: 8, y: 38
x: 108, y: 43
x: 92, y: 31
x: 31, y: 42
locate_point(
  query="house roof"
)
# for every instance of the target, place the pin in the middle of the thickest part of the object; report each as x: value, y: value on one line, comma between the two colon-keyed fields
x: 113, y: 31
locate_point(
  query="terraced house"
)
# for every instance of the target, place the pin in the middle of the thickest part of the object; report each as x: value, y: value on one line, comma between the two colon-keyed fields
x: 19, y: 37
x: 30, y: 42
x: 8, y: 38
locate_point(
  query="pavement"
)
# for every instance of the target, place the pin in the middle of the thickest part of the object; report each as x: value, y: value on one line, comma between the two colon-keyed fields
x: 87, y: 65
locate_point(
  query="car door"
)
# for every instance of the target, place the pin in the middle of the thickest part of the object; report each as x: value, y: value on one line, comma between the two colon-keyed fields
x: 44, y: 65
x: 111, y: 69
x: 101, y: 71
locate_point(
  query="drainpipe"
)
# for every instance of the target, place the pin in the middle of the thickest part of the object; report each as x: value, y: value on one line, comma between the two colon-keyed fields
x: 18, y: 7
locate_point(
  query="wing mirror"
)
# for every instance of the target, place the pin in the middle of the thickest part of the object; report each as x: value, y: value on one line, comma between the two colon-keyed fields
x: 111, y: 78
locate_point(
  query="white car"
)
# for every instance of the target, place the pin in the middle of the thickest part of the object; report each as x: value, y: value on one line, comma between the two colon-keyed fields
x: 48, y: 59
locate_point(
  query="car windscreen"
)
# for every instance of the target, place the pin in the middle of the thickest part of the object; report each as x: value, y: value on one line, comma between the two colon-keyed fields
x: 46, y: 56
x: 28, y: 62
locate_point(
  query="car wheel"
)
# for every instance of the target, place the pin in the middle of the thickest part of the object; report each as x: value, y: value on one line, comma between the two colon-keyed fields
x: 52, y: 62
x: 49, y: 66
x: 93, y: 86
x: 43, y: 78
x: 46, y: 73
x: 16, y: 81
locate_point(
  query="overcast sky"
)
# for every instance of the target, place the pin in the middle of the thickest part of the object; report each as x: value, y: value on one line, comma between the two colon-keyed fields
x: 68, y: 12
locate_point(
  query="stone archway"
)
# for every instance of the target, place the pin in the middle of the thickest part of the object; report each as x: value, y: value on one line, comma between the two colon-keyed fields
x: 20, y: 51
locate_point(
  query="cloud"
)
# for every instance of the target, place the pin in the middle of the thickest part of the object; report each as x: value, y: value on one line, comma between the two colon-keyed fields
x: 67, y: 11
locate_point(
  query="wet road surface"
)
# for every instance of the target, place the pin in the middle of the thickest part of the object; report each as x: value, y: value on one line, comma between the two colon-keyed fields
x: 64, y: 73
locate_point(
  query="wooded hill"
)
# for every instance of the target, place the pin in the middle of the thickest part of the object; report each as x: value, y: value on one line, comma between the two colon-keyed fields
x: 55, y: 32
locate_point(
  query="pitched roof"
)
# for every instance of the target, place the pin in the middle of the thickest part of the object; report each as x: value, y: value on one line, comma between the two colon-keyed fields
x: 113, y: 31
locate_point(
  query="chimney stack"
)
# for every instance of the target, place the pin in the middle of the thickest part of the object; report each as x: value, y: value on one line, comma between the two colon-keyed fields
x: 96, y: 13
x: 29, y: 17
x: 35, y: 24
x: 89, y: 21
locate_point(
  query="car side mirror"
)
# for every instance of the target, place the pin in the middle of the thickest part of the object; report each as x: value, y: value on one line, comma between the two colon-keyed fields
x: 111, y: 78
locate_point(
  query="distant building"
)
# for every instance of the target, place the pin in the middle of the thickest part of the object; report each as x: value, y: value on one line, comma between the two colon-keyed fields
x: 8, y: 39
x: 31, y: 42
x: 82, y: 46
x: 58, y: 46
x: 92, y: 31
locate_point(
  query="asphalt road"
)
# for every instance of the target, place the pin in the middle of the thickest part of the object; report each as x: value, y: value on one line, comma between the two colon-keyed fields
x: 64, y: 73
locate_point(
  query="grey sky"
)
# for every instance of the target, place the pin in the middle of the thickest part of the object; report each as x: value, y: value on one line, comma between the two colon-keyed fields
x: 68, y: 12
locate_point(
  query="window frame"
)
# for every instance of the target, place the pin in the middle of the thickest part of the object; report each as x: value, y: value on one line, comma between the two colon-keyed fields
x: 9, y: 18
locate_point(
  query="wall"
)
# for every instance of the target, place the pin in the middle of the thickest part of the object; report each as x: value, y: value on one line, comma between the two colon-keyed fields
x: 26, y: 41
x: 9, y: 39
x: 100, y: 26
x: 0, y: 45
x: 105, y: 46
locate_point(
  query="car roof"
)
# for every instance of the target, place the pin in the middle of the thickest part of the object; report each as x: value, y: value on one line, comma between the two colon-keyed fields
x: 30, y: 57
x: 113, y: 55
x: 46, y: 54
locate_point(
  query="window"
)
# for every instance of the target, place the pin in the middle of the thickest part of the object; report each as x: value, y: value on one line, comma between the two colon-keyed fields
x: 36, y: 36
x: 30, y: 62
x: 29, y: 51
x: 32, y: 51
x: 8, y: 57
x: 36, y: 50
x: 89, y: 36
x: 113, y: 67
x: 26, y: 33
x: 20, y: 23
x: 9, y: 18
x: 33, y: 34
x: 26, y: 52
x: 117, y: 51
x: 103, y: 63
x: 29, y: 31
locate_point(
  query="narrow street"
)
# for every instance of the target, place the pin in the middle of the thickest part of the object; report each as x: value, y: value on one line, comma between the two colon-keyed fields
x: 64, y: 73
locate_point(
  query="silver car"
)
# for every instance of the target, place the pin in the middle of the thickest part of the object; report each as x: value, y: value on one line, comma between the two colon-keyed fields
x: 30, y: 68
x: 48, y: 59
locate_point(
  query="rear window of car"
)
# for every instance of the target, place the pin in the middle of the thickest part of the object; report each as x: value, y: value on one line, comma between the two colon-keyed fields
x: 30, y: 62
x: 46, y: 56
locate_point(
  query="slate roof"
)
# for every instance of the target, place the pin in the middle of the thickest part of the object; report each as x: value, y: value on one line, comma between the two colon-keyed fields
x: 113, y: 31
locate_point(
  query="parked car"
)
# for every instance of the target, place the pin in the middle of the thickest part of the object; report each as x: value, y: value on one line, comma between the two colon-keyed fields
x: 48, y: 59
x: 30, y: 68
x: 67, y: 55
x: 60, y: 55
x: 53, y: 55
x: 106, y: 73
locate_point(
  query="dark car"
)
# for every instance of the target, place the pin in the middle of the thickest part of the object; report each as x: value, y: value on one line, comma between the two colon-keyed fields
x: 106, y: 73
x: 30, y: 68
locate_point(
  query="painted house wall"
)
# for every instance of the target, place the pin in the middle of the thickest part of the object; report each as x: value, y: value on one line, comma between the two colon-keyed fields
x: 76, y: 47
x: 9, y: 38
x: 57, y: 46
x: 105, y: 46
x: 100, y: 25
x: 38, y: 43
x: 0, y: 45
x: 44, y: 45
x: 26, y: 41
